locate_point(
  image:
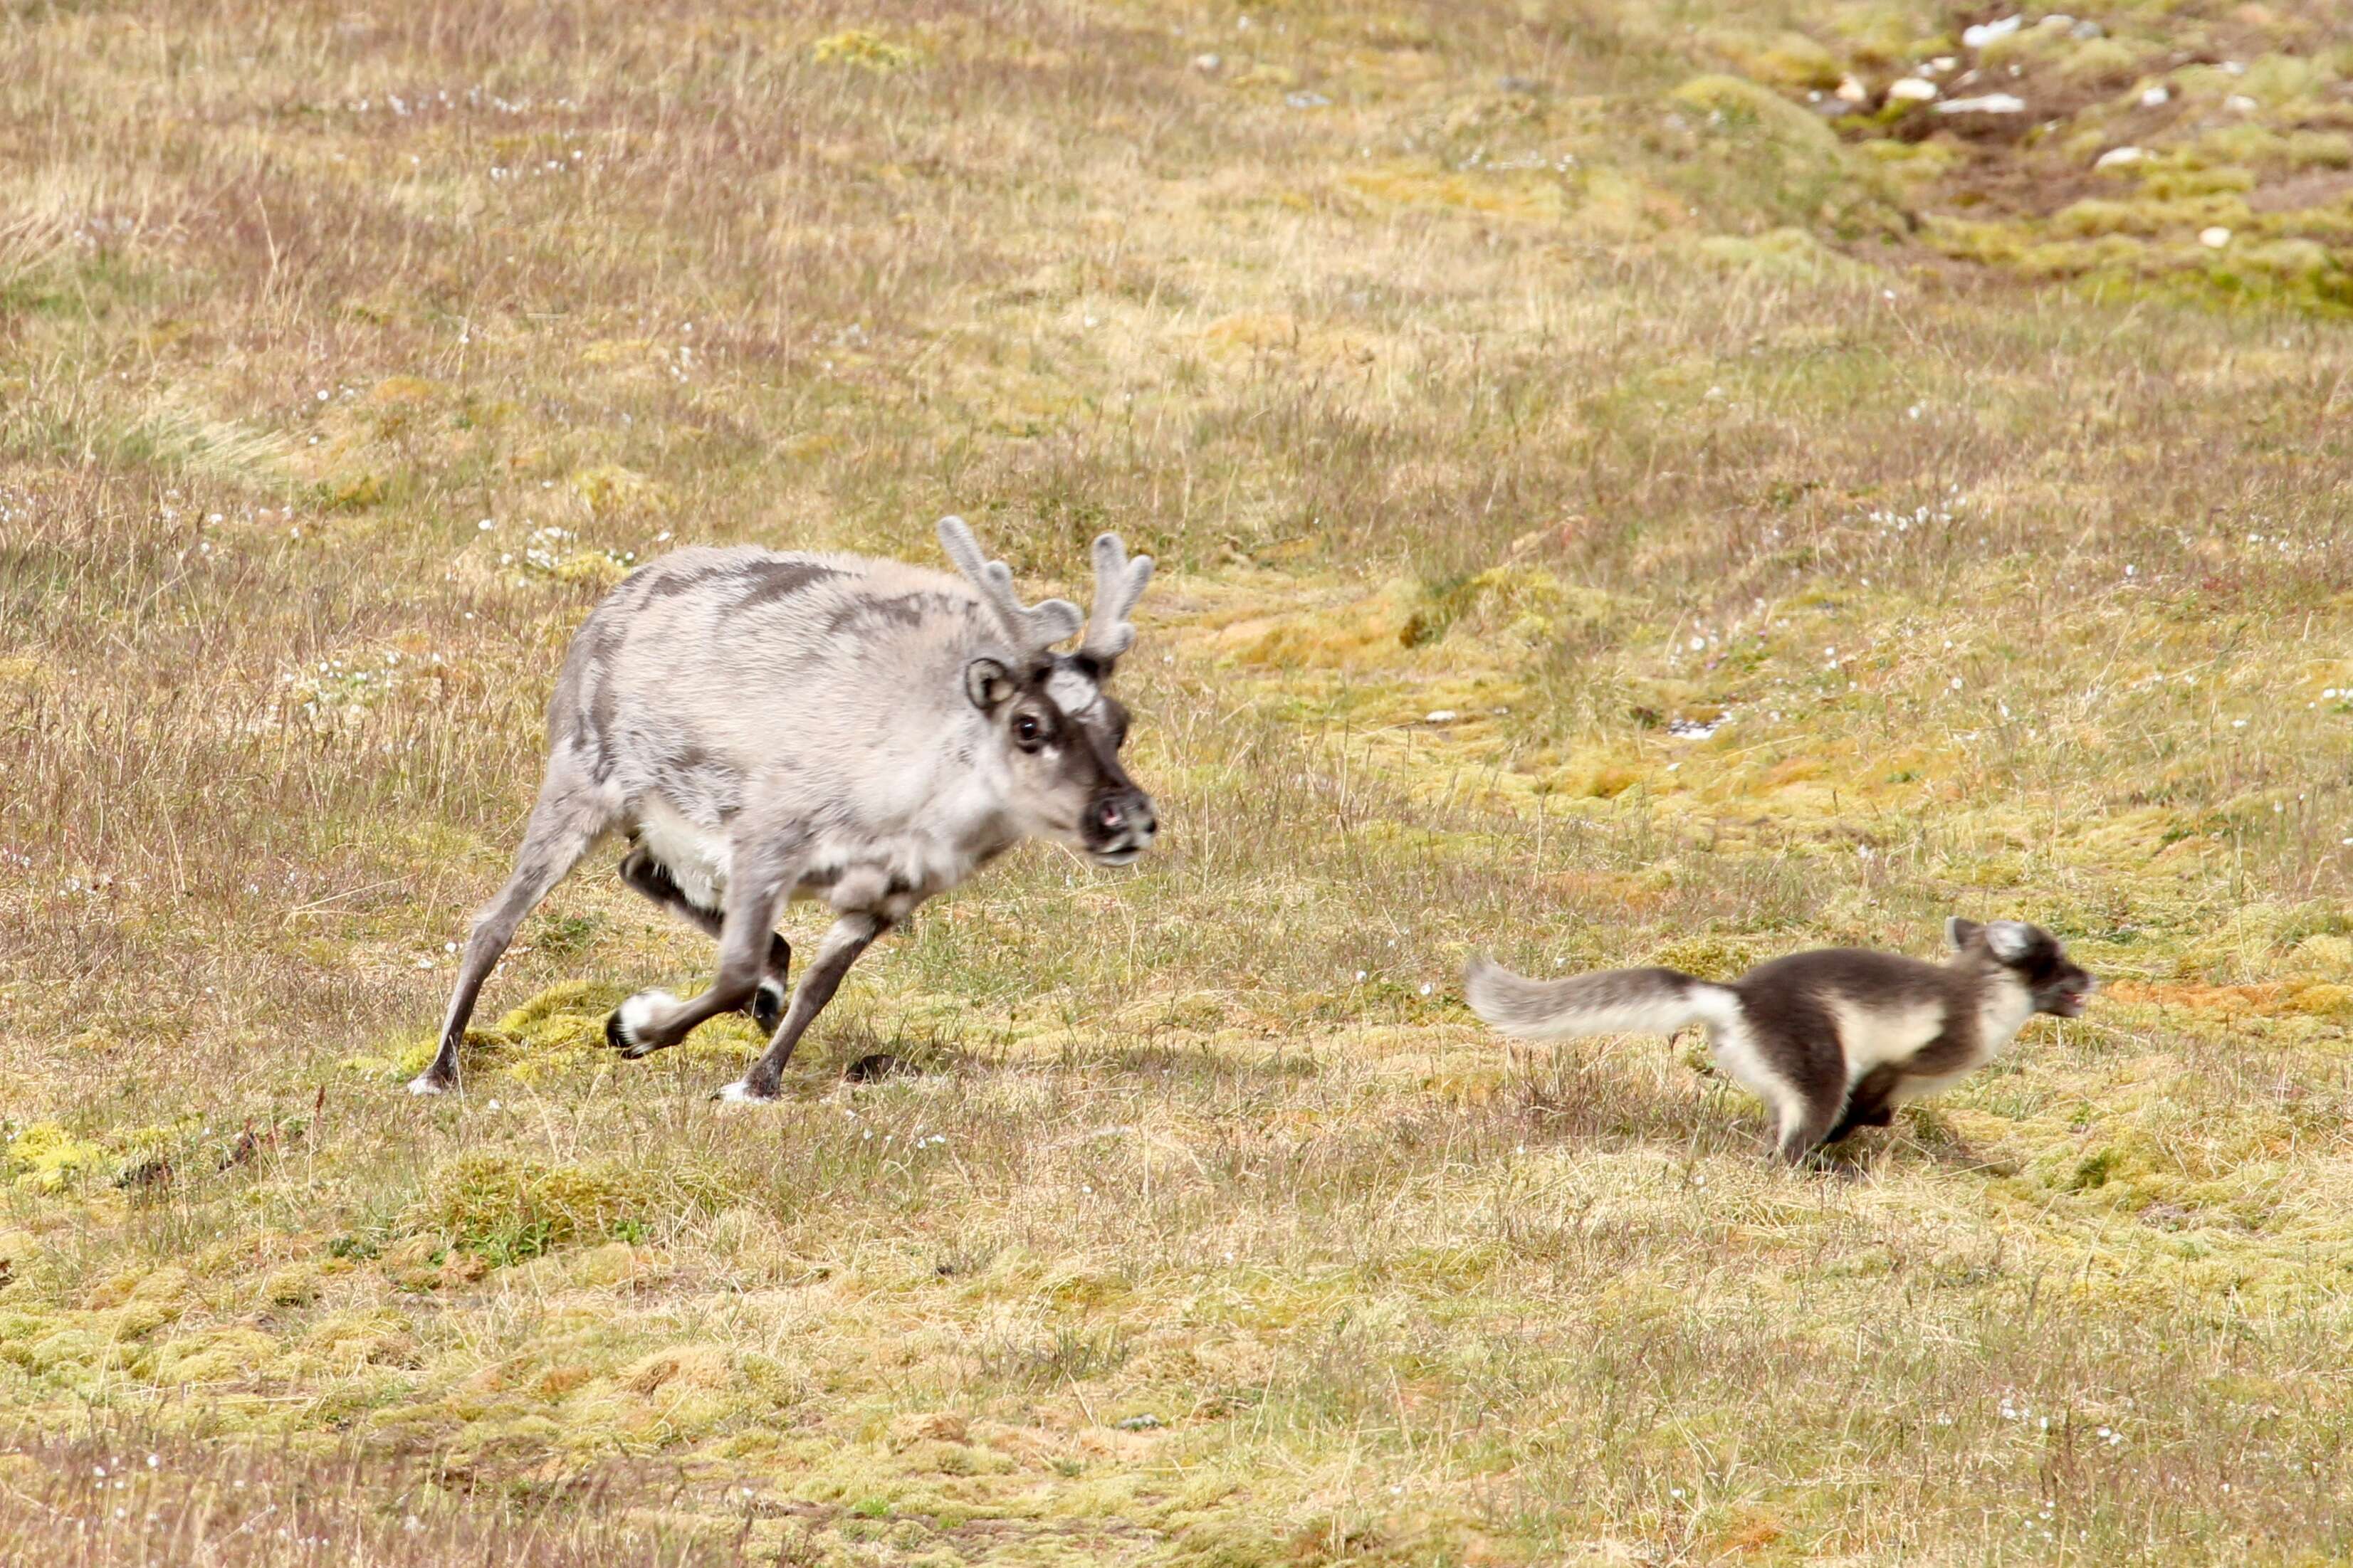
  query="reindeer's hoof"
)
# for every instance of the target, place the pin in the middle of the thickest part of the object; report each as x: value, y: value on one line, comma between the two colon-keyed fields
x: 627, y: 1025
x: 768, y: 1005
x: 425, y: 1083
x: 741, y: 1092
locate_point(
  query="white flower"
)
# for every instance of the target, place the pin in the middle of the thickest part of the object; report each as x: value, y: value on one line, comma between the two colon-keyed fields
x: 1984, y: 33
x: 1990, y: 103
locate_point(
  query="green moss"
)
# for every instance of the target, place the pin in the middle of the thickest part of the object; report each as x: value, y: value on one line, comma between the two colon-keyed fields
x: 1785, y: 59
x: 215, y: 1357
x: 863, y: 48
x: 508, y: 1208
x: 1743, y: 106
x: 1787, y: 255
x: 47, y: 1158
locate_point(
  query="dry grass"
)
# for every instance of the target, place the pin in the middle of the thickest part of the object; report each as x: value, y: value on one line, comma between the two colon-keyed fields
x: 1553, y: 368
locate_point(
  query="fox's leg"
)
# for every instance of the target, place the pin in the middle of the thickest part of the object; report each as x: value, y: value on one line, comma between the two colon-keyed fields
x: 1772, y: 1070
x: 1871, y: 1104
x: 1799, y: 1072
x: 1802, y: 1134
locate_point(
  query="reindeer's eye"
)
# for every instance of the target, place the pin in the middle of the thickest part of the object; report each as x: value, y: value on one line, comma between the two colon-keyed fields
x: 1027, y: 733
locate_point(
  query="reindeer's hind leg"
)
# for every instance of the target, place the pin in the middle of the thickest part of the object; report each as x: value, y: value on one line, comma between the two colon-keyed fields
x: 569, y: 815
x: 760, y: 874
x: 641, y: 871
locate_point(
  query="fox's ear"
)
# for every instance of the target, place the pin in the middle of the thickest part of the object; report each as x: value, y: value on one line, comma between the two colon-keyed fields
x: 1957, y: 931
x: 2009, y: 940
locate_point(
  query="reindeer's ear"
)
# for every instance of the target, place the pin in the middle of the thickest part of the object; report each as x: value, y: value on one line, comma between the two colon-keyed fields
x: 1957, y: 931
x: 988, y: 683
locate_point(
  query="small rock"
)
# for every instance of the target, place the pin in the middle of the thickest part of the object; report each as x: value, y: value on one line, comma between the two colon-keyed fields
x: 2214, y: 239
x: 1140, y: 1424
x: 1527, y: 86
x: 2239, y: 103
x: 1984, y: 33
x: 1990, y: 103
x: 1850, y: 90
x: 1306, y: 100
x: 1441, y: 716
x: 2087, y: 31
x: 1208, y: 62
x: 2157, y: 97
x: 2116, y: 157
x: 1911, y: 89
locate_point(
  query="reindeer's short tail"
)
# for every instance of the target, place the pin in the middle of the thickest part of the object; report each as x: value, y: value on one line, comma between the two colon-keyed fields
x: 1614, y: 1002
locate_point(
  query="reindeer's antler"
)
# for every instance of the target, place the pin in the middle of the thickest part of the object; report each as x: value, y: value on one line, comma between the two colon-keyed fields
x: 1032, y: 627
x: 1119, y: 584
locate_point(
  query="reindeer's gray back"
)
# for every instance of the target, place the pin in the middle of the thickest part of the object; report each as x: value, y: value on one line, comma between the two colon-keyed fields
x: 709, y: 665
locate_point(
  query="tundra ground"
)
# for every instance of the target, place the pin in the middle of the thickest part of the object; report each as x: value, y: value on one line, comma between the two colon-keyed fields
x: 1610, y: 511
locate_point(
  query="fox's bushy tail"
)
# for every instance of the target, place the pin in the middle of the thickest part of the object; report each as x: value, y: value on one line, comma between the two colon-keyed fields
x: 1612, y: 1001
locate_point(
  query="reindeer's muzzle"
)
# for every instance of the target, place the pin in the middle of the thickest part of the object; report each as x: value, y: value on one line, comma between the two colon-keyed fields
x: 1119, y: 826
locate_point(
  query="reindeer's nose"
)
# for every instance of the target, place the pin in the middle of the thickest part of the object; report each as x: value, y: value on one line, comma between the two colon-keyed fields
x: 1121, y: 819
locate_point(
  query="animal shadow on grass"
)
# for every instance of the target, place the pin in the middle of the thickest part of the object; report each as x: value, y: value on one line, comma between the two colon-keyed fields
x: 858, y: 1053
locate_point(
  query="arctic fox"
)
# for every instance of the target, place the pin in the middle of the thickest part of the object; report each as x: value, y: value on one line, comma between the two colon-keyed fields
x: 1832, y: 1039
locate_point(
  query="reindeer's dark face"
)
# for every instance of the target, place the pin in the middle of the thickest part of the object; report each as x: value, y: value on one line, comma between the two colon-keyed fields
x: 1060, y: 733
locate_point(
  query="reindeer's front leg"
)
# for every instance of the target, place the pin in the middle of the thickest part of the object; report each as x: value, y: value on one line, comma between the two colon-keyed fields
x: 847, y: 938
x: 759, y: 876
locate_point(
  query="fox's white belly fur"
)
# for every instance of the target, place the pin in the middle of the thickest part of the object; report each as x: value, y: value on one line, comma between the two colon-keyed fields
x: 1872, y: 1035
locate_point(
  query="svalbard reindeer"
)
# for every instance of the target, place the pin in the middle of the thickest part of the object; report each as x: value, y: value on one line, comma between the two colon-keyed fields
x: 1831, y: 1040
x: 767, y: 727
